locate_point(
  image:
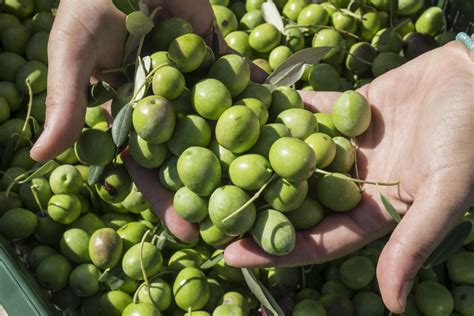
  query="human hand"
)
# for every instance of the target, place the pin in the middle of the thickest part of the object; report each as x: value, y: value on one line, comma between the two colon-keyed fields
x: 89, y: 36
x: 421, y: 135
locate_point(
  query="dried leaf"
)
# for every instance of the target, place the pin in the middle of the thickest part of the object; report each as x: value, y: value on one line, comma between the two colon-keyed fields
x: 138, y: 23
x: 211, y: 262
x: 390, y: 208
x: 261, y: 293
x: 272, y: 15
x: 450, y: 244
x: 122, y: 125
x: 287, y: 72
x: 95, y: 174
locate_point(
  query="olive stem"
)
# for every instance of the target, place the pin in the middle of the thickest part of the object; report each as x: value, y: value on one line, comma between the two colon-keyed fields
x: 352, y: 14
x: 324, y: 27
x: 358, y: 180
x: 34, y: 191
x: 150, y: 74
x: 251, y: 200
x: 15, y: 181
x: 359, y: 59
x: 141, y: 256
x: 28, y: 114
x: 356, y: 167
x: 135, y: 296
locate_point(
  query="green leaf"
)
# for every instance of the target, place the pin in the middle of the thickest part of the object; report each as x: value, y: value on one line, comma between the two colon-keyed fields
x: 272, y: 15
x: 133, y: 41
x: 261, y: 293
x: 111, y: 279
x: 126, y: 6
x: 215, y: 44
x: 450, y: 244
x: 390, y: 208
x: 140, y: 84
x: 100, y: 93
x: 211, y: 262
x: 95, y: 173
x: 122, y: 125
x: 292, y: 69
x: 41, y: 171
x: 138, y: 23
x: 393, y: 10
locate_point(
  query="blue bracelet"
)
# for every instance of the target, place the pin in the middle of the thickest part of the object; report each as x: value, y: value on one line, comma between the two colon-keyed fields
x: 466, y: 40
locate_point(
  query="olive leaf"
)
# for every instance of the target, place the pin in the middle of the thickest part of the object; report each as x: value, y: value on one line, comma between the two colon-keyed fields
x: 393, y: 10
x: 272, y: 16
x: 126, y: 6
x: 41, y: 171
x: 292, y: 69
x: 122, y: 125
x: 95, y: 174
x: 390, y: 208
x: 450, y: 244
x: 144, y: 67
x: 215, y: 44
x: 100, y: 93
x: 261, y: 293
x: 133, y: 41
x: 111, y: 280
x: 138, y: 23
x: 211, y: 262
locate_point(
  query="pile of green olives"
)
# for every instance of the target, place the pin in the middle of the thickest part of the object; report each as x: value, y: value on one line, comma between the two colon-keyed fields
x: 242, y: 158
x: 366, y: 39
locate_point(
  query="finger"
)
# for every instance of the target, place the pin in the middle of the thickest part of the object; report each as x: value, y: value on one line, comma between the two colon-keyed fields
x: 160, y: 199
x: 425, y: 225
x: 336, y: 236
x: 70, y: 67
x: 318, y: 101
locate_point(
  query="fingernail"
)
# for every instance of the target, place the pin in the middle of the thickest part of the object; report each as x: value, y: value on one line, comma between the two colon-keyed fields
x: 406, y: 288
x: 40, y: 140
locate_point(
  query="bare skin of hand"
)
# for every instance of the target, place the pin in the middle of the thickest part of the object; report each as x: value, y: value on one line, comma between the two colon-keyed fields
x: 421, y: 135
x: 89, y: 36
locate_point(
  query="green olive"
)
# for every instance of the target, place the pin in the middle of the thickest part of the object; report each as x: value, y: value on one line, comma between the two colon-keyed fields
x: 64, y: 208
x: 105, y: 248
x: 233, y: 71
x: 212, y: 235
x: 362, y: 54
x: 257, y: 106
x: 294, y: 39
x: 223, y: 202
x: 307, y: 215
x: 10, y: 64
x: 278, y: 55
x: 88, y: 222
x: 387, y: 40
x: 113, y: 303
x: 168, y: 82
x: 285, y: 196
x: 84, y: 280
x: 168, y: 174
x: 368, y: 303
x: 268, y: 135
x: 190, y: 289
x: 237, y: 129
x: 38, y: 254
x: 40, y: 188
x: 337, y: 192
x: 199, y: 170
x: 409, y: 7
x: 264, y: 38
x: 154, y: 119
x: 433, y: 298
x: 15, y: 39
x: 256, y: 91
x: 225, y: 19
x: 9, y: 201
x: 345, y: 155
x: 53, y: 272
x: 351, y: 113
x: 293, y: 8
x: 370, y: 22
x: 307, y: 307
x: 74, y: 245
x: 168, y: 30
x: 385, y: 62
x: 239, y: 41
x: 313, y: 14
x: 292, y: 158
x: 210, y: 98
x: 330, y: 38
x: 250, y: 172
x: 189, y: 205
x: 142, y: 309
x: 274, y: 232
x: 357, y: 272
x: 286, y: 276
x: 131, y: 234
x: 323, y: 77
x: 187, y: 52
x: 35, y: 72
x: 116, y: 185
x: 157, y: 293
x: 145, y: 254
x: 146, y: 154
x: 300, y: 122
x: 95, y: 147
x: 324, y: 148
x: 18, y: 223
x: 251, y: 20
x: 344, y: 22
x: 284, y: 98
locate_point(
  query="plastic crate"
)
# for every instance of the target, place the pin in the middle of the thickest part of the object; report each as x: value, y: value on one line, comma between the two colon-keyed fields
x: 20, y: 293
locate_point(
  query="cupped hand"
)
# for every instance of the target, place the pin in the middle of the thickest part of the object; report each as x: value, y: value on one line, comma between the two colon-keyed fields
x: 421, y: 135
x: 88, y: 36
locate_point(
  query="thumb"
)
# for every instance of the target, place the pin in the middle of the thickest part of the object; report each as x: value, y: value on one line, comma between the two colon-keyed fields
x: 71, y: 59
x: 422, y: 229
